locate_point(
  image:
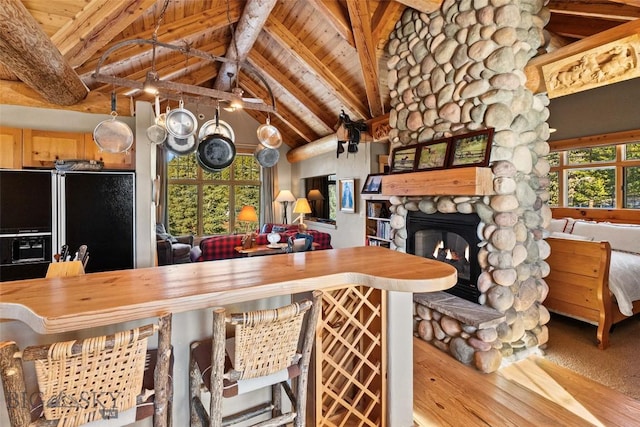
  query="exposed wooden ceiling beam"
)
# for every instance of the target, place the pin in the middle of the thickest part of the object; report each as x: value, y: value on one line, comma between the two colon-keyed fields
x: 596, y: 9
x: 187, y: 30
x: 577, y: 27
x: 299, y: 126
x: 312, y: 112
x: 29, y: 53
x: 426, y: 6
x: 301, y: 53
x: 361, y: 25
x: 18, y: 93
x: 635, y: 3
x: 384, y: 20
x: 253, y: 18
x: 336, y: 16
x: 97, y: 24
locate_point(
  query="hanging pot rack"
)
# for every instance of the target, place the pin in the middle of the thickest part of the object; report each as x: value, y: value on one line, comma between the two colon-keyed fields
x: 189, y: 93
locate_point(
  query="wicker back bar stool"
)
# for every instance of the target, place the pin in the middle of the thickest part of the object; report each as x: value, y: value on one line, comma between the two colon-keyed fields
x: 99, y: 378
x: 271, y: 348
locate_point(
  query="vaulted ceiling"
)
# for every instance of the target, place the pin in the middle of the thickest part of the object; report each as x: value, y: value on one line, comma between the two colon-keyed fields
x: 318, y: 57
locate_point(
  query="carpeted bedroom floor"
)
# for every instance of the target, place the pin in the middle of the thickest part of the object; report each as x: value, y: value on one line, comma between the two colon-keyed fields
x: 572, y: 345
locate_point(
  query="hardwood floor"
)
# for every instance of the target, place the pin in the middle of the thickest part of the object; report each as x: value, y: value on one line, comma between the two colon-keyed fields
x: 531, y: 392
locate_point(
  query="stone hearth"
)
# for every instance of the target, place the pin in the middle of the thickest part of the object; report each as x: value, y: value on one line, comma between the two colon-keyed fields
x: 457, y: 70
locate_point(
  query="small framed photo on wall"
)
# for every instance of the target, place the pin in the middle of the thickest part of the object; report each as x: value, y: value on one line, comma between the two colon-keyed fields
x: 433, y: 155
x: 347, y: 197
x: 471, y: 149
x: 403, y: 159
x: 373, y: 184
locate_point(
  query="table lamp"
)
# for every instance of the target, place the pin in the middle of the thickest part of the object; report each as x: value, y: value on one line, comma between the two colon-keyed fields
x: 285, y: 197
x: 315, y: 196
x: 301, y: 207
x: 248, y: 215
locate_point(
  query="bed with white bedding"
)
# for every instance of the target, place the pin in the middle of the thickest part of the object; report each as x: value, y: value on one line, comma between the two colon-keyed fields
x: 595, y: 272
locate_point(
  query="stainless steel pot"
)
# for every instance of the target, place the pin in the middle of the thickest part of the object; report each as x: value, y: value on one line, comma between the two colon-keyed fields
x: 181, y: 123
x: 112, y: 135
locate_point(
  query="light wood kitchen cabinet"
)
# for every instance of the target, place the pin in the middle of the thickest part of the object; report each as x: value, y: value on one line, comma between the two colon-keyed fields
x: 41, y: 148
x: 10, y: 148
x: 121, y: 161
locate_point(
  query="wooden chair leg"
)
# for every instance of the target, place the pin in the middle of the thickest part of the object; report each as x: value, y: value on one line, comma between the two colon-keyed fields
x: 276, y: 400
x: 161, y: 415
x: 217, y: 367
x: 15, y: 393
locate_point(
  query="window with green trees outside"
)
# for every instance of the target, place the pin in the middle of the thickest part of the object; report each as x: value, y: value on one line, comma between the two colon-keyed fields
x: 596, y: 177
x: 204, y: 203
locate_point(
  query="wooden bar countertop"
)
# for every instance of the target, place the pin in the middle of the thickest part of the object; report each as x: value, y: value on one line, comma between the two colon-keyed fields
x: 72, y: 303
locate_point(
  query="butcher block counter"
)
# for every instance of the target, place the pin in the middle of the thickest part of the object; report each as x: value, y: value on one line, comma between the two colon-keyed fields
x: 57, y: 305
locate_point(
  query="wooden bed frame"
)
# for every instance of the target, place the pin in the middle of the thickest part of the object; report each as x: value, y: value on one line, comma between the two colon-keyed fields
x: 579, y: 284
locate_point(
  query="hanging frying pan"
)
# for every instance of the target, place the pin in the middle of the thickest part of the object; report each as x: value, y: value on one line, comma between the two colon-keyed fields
x: 181, y: 146
x: 181, y: 123
x: 216, y: 151
x: 267, y: 157
x: 111, y: 135
x: 268, y: 135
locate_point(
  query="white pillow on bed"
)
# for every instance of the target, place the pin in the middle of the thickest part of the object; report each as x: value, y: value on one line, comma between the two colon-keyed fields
x: 569, y: 236
x: 621, y: 237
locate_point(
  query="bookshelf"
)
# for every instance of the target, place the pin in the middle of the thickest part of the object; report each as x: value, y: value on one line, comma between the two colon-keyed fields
x: 378, y: 224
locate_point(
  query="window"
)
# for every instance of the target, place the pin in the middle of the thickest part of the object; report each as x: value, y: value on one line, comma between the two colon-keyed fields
x: 205, y: 203
x: 596, y: 177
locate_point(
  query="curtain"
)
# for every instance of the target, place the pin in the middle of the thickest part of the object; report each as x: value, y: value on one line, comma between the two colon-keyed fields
x: 162, y: 215
x: 267, y: 190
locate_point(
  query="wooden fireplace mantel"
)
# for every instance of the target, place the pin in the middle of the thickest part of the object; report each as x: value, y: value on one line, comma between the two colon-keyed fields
x: 470, y: 181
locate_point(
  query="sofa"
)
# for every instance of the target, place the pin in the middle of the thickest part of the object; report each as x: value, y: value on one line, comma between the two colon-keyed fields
x: 223, y: 247
x: 594, y: 272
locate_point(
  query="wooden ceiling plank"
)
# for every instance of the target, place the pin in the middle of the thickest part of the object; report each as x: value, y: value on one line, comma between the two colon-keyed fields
x: 97, y: 24
x: 292, y: 90
x: 361, y: 26
x: 300, y: 127
x: 621, y: 11
x: 187, y: 29
x: 579, y: 27
x: 384, y: 20
x: 18, y: 93
x: 634, y: 3
x: 426, y: 6
x: 336, y: 16
x: 301, y: 53
x: 28, y: 52
x: 533, y: 70
x: 253, y: 18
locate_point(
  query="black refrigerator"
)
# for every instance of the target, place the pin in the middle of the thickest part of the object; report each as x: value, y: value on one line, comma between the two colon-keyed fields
x: 42, y: 210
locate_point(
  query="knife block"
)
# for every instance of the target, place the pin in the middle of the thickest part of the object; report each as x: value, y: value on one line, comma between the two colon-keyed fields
x: 65, y: 269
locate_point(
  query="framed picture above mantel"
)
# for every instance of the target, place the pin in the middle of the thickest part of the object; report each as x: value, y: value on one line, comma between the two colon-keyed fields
x: 471, y: 149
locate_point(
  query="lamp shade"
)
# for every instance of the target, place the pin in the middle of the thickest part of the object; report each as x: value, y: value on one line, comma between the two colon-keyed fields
x: 302, y: 206
x: 248, y: 214
x: 285, y: 196
x: 315, y: 195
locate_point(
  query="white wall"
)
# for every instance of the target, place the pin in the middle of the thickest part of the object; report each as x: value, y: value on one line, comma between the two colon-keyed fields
x: 349, y: 229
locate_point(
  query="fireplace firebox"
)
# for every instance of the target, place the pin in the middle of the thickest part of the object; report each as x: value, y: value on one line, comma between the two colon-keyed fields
x: 450, y: 238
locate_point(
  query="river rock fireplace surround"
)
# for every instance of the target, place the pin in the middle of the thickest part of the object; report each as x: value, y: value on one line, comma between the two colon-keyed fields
x: 453, y: 71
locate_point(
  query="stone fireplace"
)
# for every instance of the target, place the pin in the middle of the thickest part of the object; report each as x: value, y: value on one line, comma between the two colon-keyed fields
x: 454, y: 71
